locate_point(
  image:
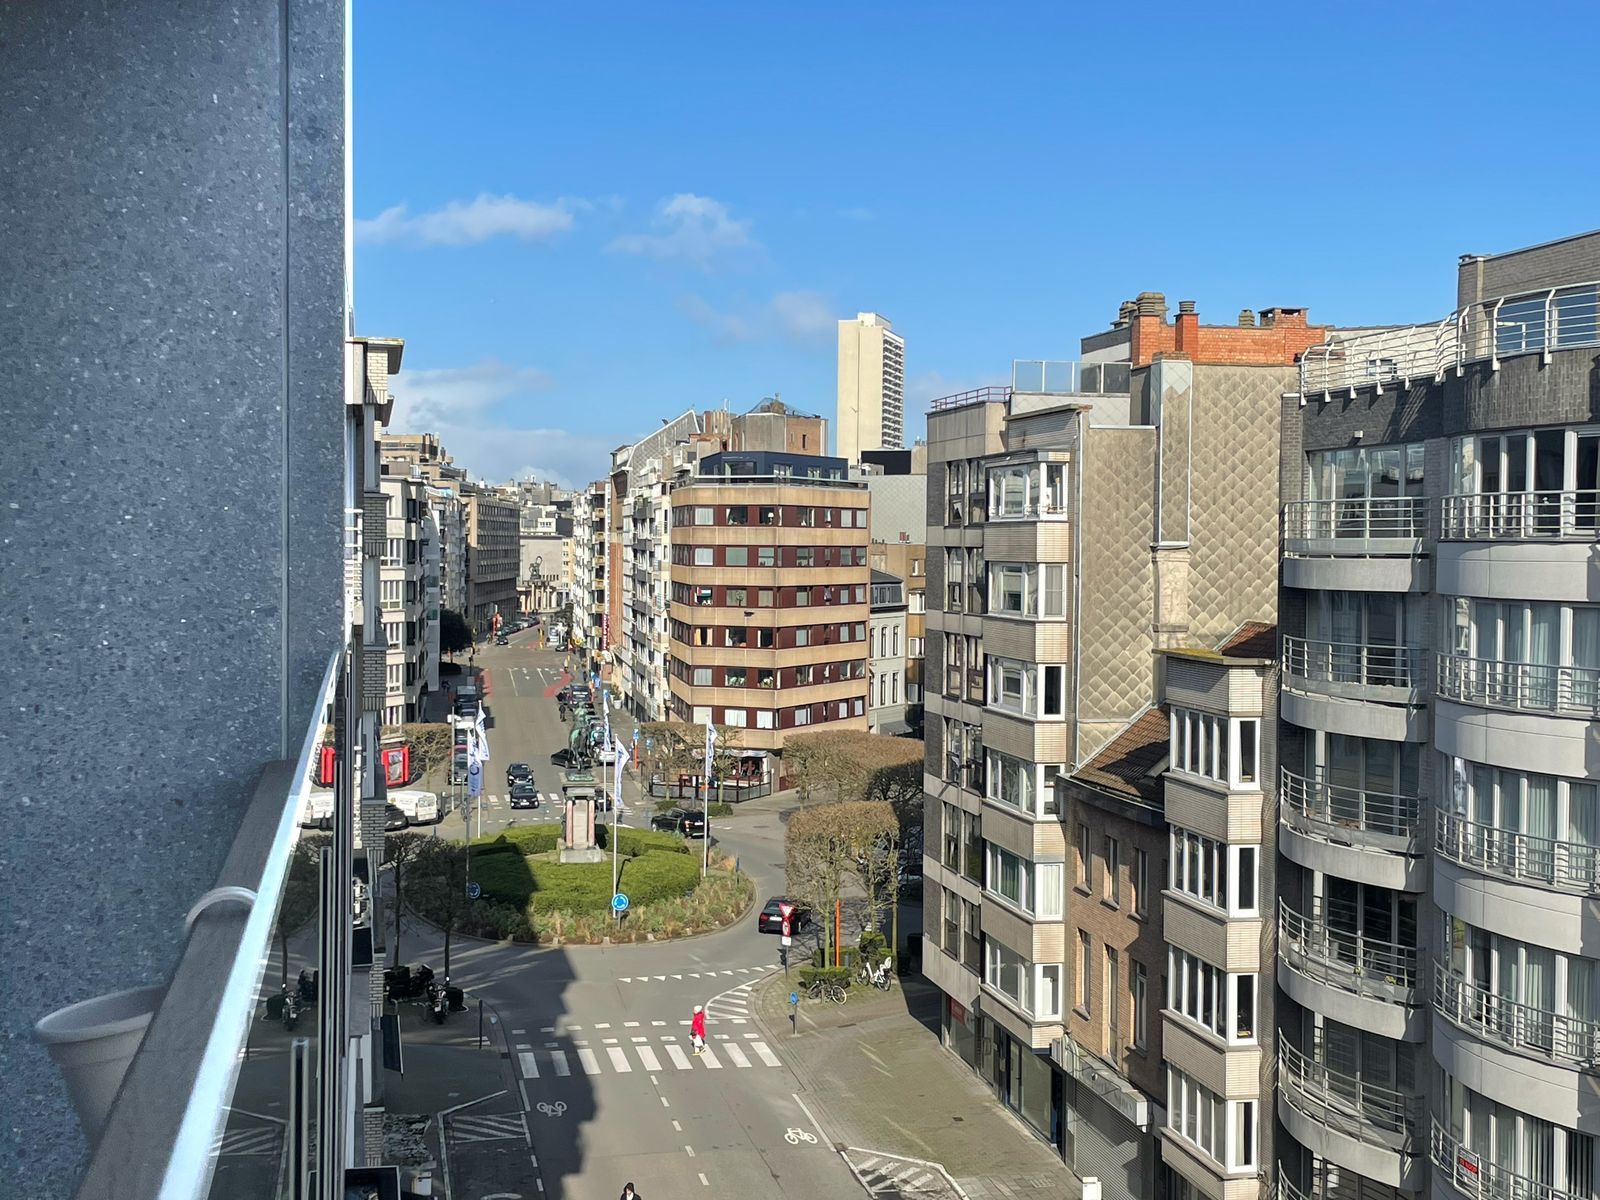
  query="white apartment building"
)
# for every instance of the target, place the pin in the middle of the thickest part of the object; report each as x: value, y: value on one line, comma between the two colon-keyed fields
x: 887, y: 639
x: 872, y: 385
x: 450, y: 518
x: 413, y: 639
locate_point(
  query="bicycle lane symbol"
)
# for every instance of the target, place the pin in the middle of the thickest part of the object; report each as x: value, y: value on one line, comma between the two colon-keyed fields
x: 794, y: 1136
x: 556, y: 1109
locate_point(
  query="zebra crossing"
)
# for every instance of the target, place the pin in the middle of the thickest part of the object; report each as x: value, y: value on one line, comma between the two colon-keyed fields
x: 614, y: 1057
x: 732, y: 1005
x: 262, y: 1140
x: 488, y: 1127
x: 894, y: 1177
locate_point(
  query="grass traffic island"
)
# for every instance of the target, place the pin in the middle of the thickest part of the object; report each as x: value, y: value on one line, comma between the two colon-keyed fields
x: 529, y: 895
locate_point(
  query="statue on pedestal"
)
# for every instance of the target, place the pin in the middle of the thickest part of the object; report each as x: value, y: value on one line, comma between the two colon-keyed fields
x: 577, y: 827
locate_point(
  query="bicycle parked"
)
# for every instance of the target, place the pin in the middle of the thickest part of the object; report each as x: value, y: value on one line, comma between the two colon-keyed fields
x: 826, y: 989
x: 879, y: 977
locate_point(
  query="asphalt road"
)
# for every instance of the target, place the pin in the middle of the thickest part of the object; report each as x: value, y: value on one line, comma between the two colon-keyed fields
x: 608, y: 1089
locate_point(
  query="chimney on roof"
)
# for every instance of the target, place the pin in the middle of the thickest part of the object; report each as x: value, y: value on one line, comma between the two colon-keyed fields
x: 1272, y: 318
x: 1125, y: 312
x: 1151, y: 304
x: 1247, y: 319
x: 1186, y: 335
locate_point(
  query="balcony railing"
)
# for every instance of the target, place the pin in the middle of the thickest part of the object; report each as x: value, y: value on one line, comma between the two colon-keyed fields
x: 1521, y: 516
x: 985, y: 395
x: 1492, y: 329
x: 1351, y: 962
x: 1523, y: 687
x: 1359, y: 1108
x: 1523, y: 1027
x: 1569, y: 866
x: 1354, y: 816
x: 1472, y: 1174
x: 1397, y: 517
x: 1352, y: 662
x: 1054, y: 378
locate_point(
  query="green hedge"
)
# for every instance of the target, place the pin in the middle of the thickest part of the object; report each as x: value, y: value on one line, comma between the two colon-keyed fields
x: 571, y: 887
x: 640, y: 841
x: 539, y: 838
x: 848, y: 956
x: 810, y: 975
x: 658, y: 875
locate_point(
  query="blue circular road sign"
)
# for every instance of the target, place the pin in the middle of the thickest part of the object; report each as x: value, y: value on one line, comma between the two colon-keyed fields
x: 794, y: 997
x: 619, y: 902
x: 473, y: 891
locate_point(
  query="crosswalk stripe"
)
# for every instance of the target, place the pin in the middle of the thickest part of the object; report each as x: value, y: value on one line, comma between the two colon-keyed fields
x: 709, y: 1057
x: 765, y: 1055
x: 648, y: 1057
x: 558, y: 1059
x: 529, y: 1064
x: 590, y: 1064
x: 619, y: 1060
x: 732, y: 1050
x: 678, y: 1057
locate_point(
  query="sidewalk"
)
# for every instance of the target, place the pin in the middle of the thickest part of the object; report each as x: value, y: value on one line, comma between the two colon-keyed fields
x: 878, y: 1080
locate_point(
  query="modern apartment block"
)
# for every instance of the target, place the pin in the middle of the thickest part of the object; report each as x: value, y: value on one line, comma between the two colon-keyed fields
x: 898, y: 486
x: 494, y: 549
x: 886, y: 634
x: 1096, y: 530
x: 872, y: 386
x: 450, y: 519
x: 412, y: 637
x: 591, y: 621
x: 769, y: 597
x: 1439, y: 836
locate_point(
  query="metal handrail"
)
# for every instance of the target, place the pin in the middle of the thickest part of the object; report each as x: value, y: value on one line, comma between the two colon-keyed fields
x: 1352, y: 662
x: 1334, y: 812
x: 1523, y: 1027
x: 1361, y: 519
x: 1521, y: 516
x: 1472, y: 1174
x: 1498, y: 327
x: 983, y: 395
x: 1570, y: 866
x: 1351, y: 962
x: 1366, y: 1111
x: 1523, y: 687
x: 174, y: 1101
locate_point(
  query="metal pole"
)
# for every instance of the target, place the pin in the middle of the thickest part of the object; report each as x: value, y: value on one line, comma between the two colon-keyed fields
x: 616, y: 803
x: 480, y: 1024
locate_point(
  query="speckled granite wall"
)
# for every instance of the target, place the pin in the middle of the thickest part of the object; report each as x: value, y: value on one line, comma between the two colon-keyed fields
x: 171, y: 321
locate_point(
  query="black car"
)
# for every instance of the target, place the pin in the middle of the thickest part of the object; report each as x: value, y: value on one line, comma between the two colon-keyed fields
x: 678, y: 821
x: 518, y: 773
x: 564, y: 758
x: 393, y: 818
x: 502, y: 640
x: 770, y: 919
x: 523, y: 795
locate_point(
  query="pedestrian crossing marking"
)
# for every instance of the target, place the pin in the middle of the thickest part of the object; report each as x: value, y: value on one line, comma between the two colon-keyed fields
x: 590, y: 1064
x: 487, y: 1128
x: 752, y: 1035
x: 558, y: 1059
x: 619, y: 1060
x: 709, y: 1057
x: 529, y: 1064
x: 678, y: 1057
x: 658, y: 1023
x: 648, y: 1057
x: 248, y: 1142
x: 677, y: 976
x: 630, y: 1024
x: 765, y: 1055
x: 737, y: 1055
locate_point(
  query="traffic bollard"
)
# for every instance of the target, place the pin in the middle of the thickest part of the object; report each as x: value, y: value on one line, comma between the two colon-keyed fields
x: 480, y: 1024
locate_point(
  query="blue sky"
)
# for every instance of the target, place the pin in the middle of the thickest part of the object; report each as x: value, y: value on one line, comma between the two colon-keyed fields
x: 585, y: 218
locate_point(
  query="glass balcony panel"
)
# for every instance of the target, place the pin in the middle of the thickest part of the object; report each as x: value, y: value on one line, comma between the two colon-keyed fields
x: 1521, y: 516
x: 1352, y: 962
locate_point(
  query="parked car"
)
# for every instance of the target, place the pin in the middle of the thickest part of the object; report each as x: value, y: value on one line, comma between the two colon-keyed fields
x: 770, y: 918
x: 393, y: 818
x: 417, y: 807
x: 679, y: 821
x: 564, y: 759
x: 518, y: 772
x: 458, y: 766
x: 523, y: 795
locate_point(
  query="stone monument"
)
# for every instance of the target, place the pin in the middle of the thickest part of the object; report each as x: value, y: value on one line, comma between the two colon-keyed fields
x: 577, y: 827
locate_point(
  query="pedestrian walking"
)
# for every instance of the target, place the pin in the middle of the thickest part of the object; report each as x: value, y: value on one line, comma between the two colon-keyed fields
x: 697, y: 1029
x: 628, y: 1193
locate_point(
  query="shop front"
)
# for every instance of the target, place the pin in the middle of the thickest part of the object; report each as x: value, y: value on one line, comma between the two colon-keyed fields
x: 1109, y: 1126
x: 960, y: 1031
x: 1024, y: 1081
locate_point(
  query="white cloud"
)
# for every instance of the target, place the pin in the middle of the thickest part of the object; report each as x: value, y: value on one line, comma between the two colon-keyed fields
x: 804, y: 318
x: 473, y: 410
x: 693, y: 229
x: 466, y: 224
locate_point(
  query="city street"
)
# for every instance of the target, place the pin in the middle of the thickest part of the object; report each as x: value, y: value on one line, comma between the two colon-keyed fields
x: 597, y: 1037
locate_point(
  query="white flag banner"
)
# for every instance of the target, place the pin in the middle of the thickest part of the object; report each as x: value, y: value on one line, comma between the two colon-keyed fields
x: 474, y: 763
x: 483, y: 736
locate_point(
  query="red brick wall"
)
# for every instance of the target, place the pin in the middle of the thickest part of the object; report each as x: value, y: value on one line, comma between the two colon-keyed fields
x: 1280, y: 343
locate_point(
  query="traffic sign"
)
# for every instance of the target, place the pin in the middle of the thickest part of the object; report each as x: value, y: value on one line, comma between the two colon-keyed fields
x: 787, y: 940
x: 785, y: 909
x: 474, y: 891
x: 794, y: 997
x: 619, y: 903
x: 649, y: 744
x: 635, y: 735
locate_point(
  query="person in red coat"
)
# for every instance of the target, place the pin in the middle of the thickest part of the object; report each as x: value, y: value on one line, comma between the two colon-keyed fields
x: 697, y: 1029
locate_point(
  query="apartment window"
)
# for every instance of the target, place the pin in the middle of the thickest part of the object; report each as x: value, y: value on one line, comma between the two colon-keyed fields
x: 1141, y: 1006
x: 1085, y: 866
x: 734, y: 676
x: 1085, y: 970
x: 802, y: 597
x: 914, y: 647
x: 1049, y: 895
x: 1011, y: 781
x: 972, y: 847
x: 1196, y: 991
x: 704, y: 556
x: 895, y: 652
x: 802, y: 636
x: 1139, y: 882
x: 736, y: 718
x: 1199, y: 867
x: 767, y: 556
x: 395, y: 675
x: 738, y: 514
x: 738, y: 597
x: 1008, y: 877
x: 1054, y: 691
x: 1010, y: 591
x: 702, y: 715
x: 764, y: 595
x: 1195, y: 1113
x: 765, y: 718
x: 1113, y: 1002
x: 736, y: 556
x: 1113, y: 852
x: 1047, y: 996
x: 972, y: 937
x: 1242, y: 1006
x: 390, y: 593
x: 1242, y: 901
x: 802, y: 715
x: 702, y: 677
x: 1055, y: 575
x: 704, y: 516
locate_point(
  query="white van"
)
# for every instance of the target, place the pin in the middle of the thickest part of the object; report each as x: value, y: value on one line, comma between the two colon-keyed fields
x: 420, y: 808
x: 318, y: 810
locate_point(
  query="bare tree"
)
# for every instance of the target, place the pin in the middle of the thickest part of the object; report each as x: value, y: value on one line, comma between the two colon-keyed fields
x: 302, y: 893
x: 827, y: 845
x: 439, y: 887
x: 400, y: 851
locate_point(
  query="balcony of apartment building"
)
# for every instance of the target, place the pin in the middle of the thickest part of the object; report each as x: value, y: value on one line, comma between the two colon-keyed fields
x: 1365, y: 525
x: 1354, y: 809
x: 952, y: 875
x: 1345, y: 1105
x: 1027, y: 506
x: 1353, y: 955
x: 1357, y: 666
x: 1026, y: 713
x: 1524, y: 519
x: 1302, y: 1175
x: 1482, y: 1148
x: 1024, y: 932
x: 1027, y: 610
